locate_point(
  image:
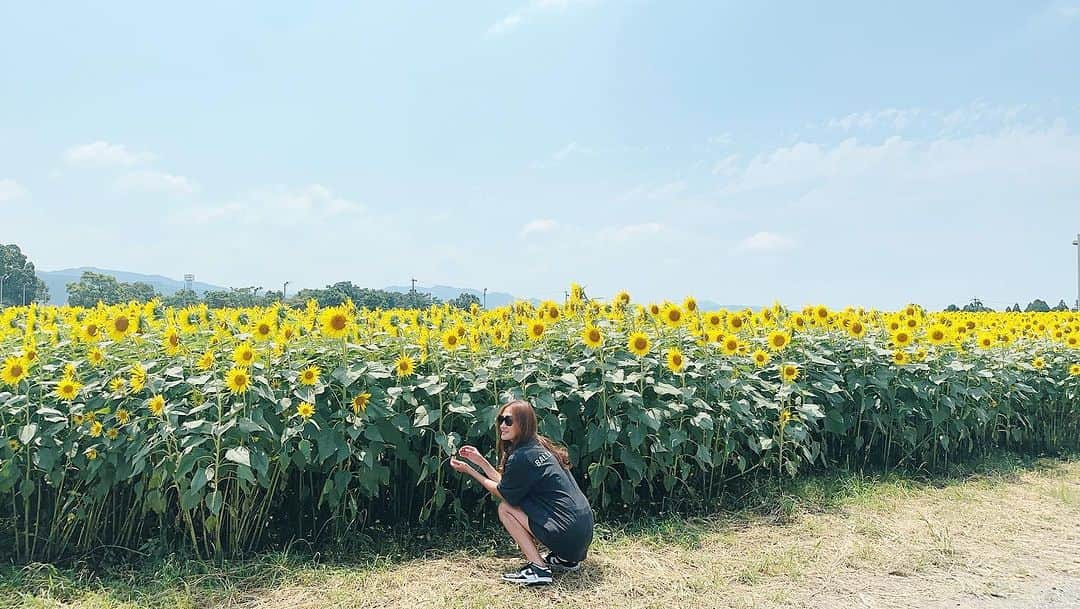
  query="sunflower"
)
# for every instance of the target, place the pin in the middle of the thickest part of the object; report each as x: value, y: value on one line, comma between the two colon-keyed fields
x: 690, y: 304
x: 243, y: 355
x: 789, y: 372
x: 760, y: 358
x: 1038, y: 363
x: 592, y: 337
x: 156, y: 405
x: 672, y: 315
x: 622, y: 298
x: 714, y: 320
x: 67, y: 389
x: 309, y: 375
x: 15, y: 370
x: 654, y: 309
x: 638, y: 344
x: 536, y: 329
x: 95, y: 429
x: 334, y: 322
x: 138, y: 378
x: 731, y: 344
x: 985, y: 340
x: 265, y: 327
x: 553, y: 312
x: 500, y: 336
x: 122, y: 416
x: 360, y: 402
x: 171, y: 341
x: 900, y: 357
x: 404, y: 366
x: 112, y: 434
x: 95, y: 357
x: 118, y: 384
x: 1074, y: 370
x: 784, y: 418
x: 821, y: 314
x: 90, y: 332
x: 937, y: 334
x: 778, y: 340
x: 120, y: 326
x: 736, y: 322
x: 856, y: 329
x: 237, y: 380
x: 305, y: 410
x: 91, y: 454
x: 675, y: 360
x: 901, y: 338
x: 206, y: 360
x: 451, y: 340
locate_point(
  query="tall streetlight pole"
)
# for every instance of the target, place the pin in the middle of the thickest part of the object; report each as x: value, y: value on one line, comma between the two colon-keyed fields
x: 1077, y: 244
x: 2, y: 278
x: 485, y: 298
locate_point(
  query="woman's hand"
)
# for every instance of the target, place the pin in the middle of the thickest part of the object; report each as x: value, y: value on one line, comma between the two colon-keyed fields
x: 460, y: 467
x: 469, y: 453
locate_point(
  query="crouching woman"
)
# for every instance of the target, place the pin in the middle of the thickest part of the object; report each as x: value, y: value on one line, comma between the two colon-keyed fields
x: 540, y: 498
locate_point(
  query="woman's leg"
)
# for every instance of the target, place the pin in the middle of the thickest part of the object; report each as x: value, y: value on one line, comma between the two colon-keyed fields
x: 517, y: 524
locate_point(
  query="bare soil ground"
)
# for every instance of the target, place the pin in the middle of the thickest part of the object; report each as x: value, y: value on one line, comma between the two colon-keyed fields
x: 999, y: 541
x: 987, y: 543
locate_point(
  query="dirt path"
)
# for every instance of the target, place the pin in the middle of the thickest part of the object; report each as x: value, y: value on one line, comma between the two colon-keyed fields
x: 1011, y: 543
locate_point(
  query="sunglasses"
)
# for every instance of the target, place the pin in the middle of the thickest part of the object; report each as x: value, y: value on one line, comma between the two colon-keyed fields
x: 506, y: 420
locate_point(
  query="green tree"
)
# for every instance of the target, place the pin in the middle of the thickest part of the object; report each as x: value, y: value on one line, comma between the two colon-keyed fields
x: 92, y: 288
x: 464, y: 301
x: 1037, y: 306
x: 1061, y: 306
x: 21, y: 283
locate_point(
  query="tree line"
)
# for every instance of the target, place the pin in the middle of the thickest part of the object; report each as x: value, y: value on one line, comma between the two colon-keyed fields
x: 1035, y: 306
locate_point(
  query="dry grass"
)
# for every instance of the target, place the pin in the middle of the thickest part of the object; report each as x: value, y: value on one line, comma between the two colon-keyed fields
x: 1000, y: 541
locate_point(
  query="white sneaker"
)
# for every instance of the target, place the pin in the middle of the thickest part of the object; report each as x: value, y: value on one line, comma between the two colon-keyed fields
x: 529, y: 575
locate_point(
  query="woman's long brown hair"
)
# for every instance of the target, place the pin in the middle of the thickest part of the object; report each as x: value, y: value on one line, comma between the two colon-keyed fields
x: 525, y: 420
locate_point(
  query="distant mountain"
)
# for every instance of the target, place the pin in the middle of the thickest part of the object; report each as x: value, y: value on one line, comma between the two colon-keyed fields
x: 708, y: 305
x: 58, y: 280
x: 445, y: 292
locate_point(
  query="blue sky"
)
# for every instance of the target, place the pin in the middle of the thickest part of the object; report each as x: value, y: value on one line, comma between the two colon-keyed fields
x: 839, y: 153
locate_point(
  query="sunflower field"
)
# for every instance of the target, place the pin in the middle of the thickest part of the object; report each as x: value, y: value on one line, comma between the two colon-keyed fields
x: 226, y: 431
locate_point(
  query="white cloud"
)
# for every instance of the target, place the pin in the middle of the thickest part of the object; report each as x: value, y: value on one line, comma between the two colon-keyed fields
x: 764, y: 241
x: 276, y: 205
x: 505, y: 24
x: 890, y: 118
x: 573, y: 148
x: 1015, y: 156
x: 630, y: 231
x: 1069, y: 10
x: 11, y: 190
x: 726, y: 166
x: 542, y: 225
x: 104, y: 154
x: 157, y: 182
x: 977, y: 115
x: 530, y: 11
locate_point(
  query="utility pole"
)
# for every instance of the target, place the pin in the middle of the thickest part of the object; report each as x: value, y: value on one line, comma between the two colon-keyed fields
x: 24, y: 295
x: 1077, y: 244
x: 283, y: 291
x: 485, y: 298
x: 2, y: 278
x: 412, y: 290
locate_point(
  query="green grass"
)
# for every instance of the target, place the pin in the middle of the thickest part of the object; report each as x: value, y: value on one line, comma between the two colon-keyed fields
x: 176, y: 582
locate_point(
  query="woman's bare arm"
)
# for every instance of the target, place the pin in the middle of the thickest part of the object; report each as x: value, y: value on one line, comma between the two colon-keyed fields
x: 492, y: 486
